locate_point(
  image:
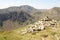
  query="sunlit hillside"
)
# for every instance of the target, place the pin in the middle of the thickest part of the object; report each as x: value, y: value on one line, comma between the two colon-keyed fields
x: 50, y: 33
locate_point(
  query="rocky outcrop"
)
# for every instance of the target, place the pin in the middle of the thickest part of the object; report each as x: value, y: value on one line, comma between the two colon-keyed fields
x: 41, y: 25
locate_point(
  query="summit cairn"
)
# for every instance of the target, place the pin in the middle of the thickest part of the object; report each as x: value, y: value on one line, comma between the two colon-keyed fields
x: 41, y: 25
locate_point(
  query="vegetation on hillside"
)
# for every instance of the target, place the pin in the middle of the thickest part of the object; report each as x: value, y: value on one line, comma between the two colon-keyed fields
x: 50, y: 33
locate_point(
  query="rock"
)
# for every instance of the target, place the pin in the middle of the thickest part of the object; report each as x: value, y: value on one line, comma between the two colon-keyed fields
x: 40, y: 25
x: 46, y: 19
x: 24, y: 31
x: 44, y: 36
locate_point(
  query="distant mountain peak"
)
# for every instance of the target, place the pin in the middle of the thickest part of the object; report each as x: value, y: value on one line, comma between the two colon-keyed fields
x: 56, y: 8
x: 26, y: 5
x: 27, y: 8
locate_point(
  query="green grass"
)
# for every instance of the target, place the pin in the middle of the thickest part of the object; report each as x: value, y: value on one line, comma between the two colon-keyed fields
x: 16, y: 34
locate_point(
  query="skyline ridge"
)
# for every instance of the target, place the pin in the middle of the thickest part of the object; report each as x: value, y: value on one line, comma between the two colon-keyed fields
x: 39, y: 4
x: 27, y: 5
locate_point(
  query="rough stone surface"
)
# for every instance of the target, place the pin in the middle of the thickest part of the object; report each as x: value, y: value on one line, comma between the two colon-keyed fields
x: 40, y: 25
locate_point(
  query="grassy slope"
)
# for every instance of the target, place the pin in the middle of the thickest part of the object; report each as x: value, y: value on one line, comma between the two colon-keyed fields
x: 16, y: 34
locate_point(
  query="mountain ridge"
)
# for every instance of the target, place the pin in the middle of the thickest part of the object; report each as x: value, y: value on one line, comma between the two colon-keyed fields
x: 25, y: 15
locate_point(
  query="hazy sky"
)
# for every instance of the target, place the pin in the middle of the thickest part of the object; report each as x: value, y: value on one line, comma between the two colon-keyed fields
x: 39, y: 4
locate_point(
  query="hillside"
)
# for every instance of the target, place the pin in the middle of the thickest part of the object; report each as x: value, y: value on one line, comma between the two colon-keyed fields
x: 53, y: 13
x: 50, y: 33
x: 19, y: 15
x: 25, y: 15
x: 15, y: 23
